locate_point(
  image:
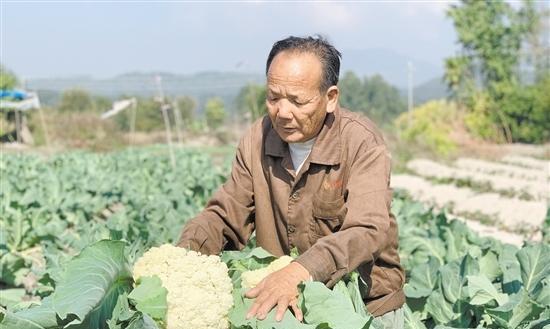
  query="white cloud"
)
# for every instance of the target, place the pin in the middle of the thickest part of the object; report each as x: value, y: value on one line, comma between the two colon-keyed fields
x: 436, y: 8
x: 439, y: 8
x: 333, y: 15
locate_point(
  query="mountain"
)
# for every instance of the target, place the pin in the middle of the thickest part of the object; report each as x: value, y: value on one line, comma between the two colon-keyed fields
x: 201, y: 85
x: 432, y: 89
x: 389, y: 64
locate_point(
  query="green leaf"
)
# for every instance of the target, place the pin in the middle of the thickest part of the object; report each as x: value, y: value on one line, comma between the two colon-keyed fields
x: 37, y: 317
x: 453, y: 287
x: 482, y: 291
x: 519, y: 309
x: 534, y: 262
x: 412, y: 321
x: 91, y: 284
x: 239, y: 262
x: 260, y: 253
x: 142, y: 321
x: 425, y: 247
x: 488, y: 265
x: 423, y: 279
x: 542, y: 295
x: 322, y: 305
x: 150, y: 297
x: 10, y: 297
x: 121, y: 312
x: 355, y: 293
x: 511, y: 272
x: 455, y: 277
x: 543, y: 322
x: 439, y: 309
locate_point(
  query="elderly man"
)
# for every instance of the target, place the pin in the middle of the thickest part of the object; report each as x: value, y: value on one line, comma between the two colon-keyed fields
x: 314, y: 176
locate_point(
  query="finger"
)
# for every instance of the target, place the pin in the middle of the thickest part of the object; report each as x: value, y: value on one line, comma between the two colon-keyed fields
x: 253, y: 310
x: 258, y: 303
x: 266, y: 307
x: 282, y: 306
x: 297, y: 311
x: 253, y: 293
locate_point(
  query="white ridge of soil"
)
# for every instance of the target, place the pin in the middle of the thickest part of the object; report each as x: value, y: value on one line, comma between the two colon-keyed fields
x: 510, y: 213
x: 500, y: 169
x: 527, y: 162
x: 537, y: 189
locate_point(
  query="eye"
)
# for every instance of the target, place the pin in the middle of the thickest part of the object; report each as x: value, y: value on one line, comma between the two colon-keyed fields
x: 298, y: 103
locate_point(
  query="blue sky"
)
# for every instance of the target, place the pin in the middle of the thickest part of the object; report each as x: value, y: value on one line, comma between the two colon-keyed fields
x: 60, y: 39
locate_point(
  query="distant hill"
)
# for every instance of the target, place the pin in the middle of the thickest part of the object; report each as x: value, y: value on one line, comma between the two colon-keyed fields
x: 201, y: 86
x: 389, y: 64
x: 432, y: 89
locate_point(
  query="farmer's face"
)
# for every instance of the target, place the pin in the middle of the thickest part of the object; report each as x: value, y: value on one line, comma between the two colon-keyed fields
x: 296, y: 105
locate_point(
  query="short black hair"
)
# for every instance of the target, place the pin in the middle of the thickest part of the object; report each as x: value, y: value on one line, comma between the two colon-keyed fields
x: 317, y: 45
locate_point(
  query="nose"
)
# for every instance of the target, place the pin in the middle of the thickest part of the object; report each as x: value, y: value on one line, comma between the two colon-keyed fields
x: 285, y: 111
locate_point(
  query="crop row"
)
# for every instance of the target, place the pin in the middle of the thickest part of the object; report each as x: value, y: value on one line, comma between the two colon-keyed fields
x: 53, y: 208
x: 536, y: 186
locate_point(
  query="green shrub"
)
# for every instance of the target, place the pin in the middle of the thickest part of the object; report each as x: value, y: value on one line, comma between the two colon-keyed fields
x: 511, y: 112
x: 215, y: 113
x: 76, y: 100
x: 479, y: 121
x: 430, y: 125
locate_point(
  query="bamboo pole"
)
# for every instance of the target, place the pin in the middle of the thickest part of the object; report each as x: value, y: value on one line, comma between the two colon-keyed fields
x: 164, y: 108
x: 177, y: 118
x: 133, y: 121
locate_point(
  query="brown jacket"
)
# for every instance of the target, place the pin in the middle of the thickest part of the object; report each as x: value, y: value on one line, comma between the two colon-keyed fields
x: 336, y: 211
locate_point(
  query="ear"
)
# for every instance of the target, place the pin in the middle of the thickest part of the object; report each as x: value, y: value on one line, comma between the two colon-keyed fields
x: 332, y: 98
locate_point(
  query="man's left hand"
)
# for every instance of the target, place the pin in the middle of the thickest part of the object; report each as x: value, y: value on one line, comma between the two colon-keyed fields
x: 279, y: 288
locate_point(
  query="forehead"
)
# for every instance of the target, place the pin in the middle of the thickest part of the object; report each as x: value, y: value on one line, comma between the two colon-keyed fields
x: 295, y: 69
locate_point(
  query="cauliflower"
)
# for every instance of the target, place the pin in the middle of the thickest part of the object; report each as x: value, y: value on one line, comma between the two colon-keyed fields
x: 199, y: 287
x: 250, y: 279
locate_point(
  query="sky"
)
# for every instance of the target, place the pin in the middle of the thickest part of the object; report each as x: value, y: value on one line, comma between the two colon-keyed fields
x: 46, y: 39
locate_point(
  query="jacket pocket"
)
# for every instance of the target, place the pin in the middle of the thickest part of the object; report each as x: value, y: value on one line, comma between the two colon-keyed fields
x: 328, y: 216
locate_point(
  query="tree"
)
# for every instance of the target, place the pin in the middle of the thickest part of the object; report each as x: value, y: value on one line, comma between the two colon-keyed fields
x: 372, y: 96
x: 485, y: 76
x: 187, y: 106
x: 101, y: 103
x: 351, y: 93
x: 215, y: 113
x: 490, y: 33
x: 148, y: 115
x: 8, y: 80
x: 536, y: 56
x: 251, y: 101
x: 76, y: 100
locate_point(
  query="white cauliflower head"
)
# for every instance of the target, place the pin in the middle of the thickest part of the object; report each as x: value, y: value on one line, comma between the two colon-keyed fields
x: 199, y: 287
x: 251, y: 279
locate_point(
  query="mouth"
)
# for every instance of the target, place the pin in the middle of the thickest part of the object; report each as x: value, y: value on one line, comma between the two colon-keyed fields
x: 288, y: 129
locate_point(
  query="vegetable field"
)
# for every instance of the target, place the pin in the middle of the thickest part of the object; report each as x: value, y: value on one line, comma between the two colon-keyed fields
x: 72, y: 227
x: 510, y: 195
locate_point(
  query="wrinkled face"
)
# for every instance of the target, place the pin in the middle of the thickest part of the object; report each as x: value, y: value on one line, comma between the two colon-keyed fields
x: 296, y: 105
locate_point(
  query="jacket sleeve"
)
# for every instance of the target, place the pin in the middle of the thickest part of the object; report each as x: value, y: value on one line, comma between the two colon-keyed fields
x: 364, y: 231
x: 228, y: 218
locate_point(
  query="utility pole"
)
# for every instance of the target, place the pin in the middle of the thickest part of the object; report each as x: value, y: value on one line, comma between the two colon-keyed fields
x: 410, y: 69
x: 177, y: 119
x: 133, y: 114
x: 164, y: 109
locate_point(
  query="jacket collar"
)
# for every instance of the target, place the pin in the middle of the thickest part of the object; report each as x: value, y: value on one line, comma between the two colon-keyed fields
x: 326, y: 149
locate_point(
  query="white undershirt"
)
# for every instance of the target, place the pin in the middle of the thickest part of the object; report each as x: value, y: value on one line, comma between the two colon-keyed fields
x: 299, y: 153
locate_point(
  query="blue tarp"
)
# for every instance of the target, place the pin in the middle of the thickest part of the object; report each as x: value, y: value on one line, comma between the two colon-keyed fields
x: 13, y: 94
